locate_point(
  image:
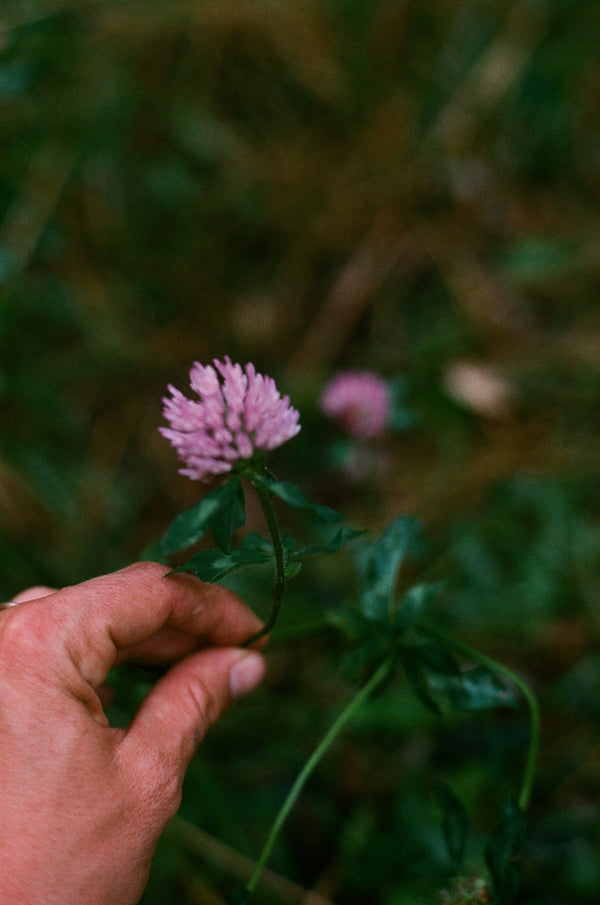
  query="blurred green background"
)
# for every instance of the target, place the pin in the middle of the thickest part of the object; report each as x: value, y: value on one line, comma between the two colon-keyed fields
x: 401, y: 185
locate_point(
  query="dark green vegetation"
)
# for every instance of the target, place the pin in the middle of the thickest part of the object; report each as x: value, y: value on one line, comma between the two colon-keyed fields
x: 403, y: 186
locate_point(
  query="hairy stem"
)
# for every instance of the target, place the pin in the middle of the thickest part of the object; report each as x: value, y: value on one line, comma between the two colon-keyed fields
x: 265, y: 501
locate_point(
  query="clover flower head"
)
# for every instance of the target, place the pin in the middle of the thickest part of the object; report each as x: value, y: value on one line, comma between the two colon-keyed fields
x: 237, y: 412
x: 359, y: 401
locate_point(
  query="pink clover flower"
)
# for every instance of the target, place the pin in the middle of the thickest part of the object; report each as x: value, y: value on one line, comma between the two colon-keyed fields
x: 359, y: 401
x: 237, y: 413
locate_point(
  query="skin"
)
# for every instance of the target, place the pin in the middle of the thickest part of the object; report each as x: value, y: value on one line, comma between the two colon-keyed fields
x: 82, y: 803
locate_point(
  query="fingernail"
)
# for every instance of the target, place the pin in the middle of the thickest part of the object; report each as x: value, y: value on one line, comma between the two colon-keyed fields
x: 246, y: 673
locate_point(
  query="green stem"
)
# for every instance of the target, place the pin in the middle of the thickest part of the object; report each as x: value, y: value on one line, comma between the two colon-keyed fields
x: 530, y: 699
x: 367, y: 689
x: 265, y: 501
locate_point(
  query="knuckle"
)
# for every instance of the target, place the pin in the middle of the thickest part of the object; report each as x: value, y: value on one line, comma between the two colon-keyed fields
x: 148, y: 579
x: 22, y: 639
x: 27, y: 655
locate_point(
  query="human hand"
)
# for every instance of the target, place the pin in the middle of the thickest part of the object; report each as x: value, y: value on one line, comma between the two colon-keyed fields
x: 82, y: 803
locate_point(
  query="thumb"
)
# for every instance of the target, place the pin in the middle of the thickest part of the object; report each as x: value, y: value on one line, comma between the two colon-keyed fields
x: 175, y: 716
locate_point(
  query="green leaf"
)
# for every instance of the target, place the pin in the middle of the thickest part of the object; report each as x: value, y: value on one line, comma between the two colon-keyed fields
x: 424, y: 661
x: 433, y: 671
x: 416, y: 677
x: 190, y: 525
x: 351, y: 623
x: 212, y: 565
x: 455, y: 824
x: 153, y: 552
x: 341, y: 537
x: 293, y: 496
x: 414, y: 602
x: 502, y: 850
x: 380, y: 566
x: 231, y: 514
x: 221, y: 510
x: 291, y: 569
x: 368, y: 642
x: 437, y: 658
x: 474, y: 689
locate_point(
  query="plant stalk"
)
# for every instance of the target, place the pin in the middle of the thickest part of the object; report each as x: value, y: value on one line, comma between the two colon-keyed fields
x: 530, y: 699
x: 334, y: 730
x: 265, y: 501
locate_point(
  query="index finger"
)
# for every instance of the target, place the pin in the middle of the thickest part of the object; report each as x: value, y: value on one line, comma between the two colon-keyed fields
x: 102, y: 616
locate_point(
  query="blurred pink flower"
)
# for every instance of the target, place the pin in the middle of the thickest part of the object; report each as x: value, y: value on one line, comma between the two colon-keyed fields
x: 237, y: 413
x: 359, y: 401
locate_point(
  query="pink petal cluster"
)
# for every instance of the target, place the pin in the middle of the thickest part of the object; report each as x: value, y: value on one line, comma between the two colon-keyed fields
x: 359, y: 401
x: 237, y: 412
